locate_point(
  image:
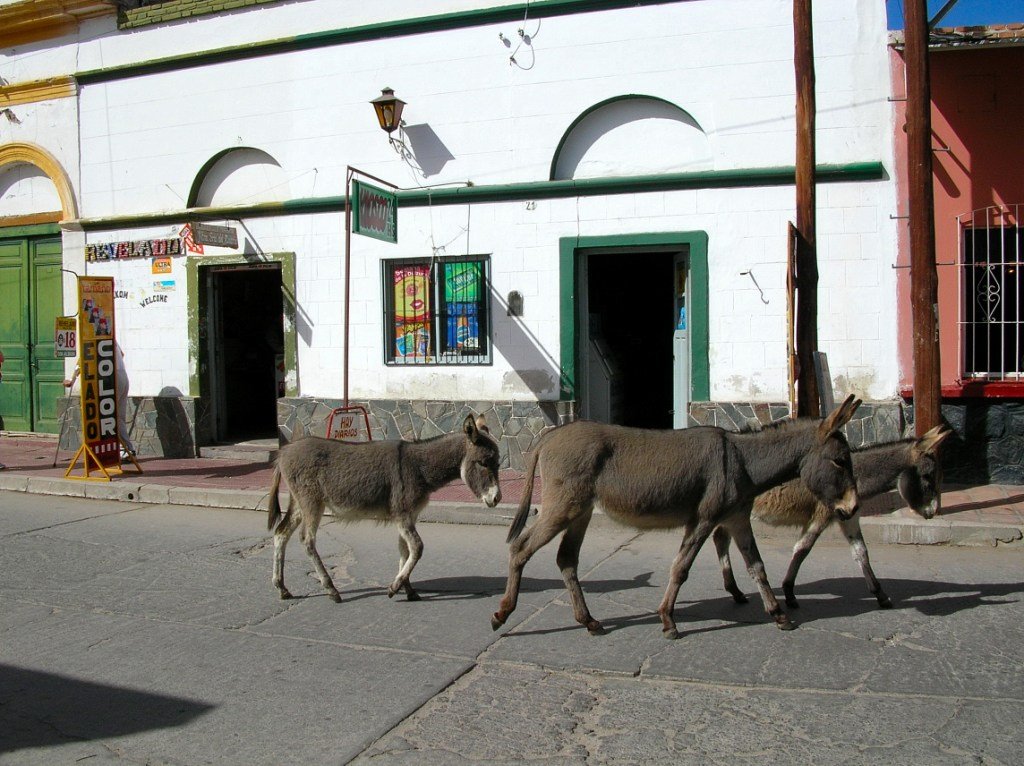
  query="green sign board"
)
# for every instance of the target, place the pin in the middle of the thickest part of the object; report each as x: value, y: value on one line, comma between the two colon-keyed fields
x: 374, y: 212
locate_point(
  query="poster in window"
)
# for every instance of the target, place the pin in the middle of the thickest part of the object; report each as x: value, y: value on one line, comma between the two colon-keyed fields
x: 461, y: 282
x: 412, y: 311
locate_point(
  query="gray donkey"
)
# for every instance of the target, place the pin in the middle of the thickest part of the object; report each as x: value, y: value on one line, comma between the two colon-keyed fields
x: 387, y: 481
x: 910, y: 464
x: 696, y: 478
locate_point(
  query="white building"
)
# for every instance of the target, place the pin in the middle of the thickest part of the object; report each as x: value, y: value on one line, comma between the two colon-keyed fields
x: 601, y: 165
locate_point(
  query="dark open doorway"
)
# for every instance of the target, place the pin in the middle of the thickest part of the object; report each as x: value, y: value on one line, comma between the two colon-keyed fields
x: 246, y: 350
x: 630, y: 304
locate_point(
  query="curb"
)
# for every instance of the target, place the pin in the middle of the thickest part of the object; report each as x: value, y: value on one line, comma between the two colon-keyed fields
x: 886, y: 529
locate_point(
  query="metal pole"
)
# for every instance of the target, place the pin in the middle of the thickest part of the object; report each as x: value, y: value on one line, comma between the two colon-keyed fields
x: 806, y: 242
x: 923, y: 276
x: 349, y: 173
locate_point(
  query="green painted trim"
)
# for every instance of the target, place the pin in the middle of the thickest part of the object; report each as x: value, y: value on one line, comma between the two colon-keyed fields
x: 568, y: 263
x: 33, y: 230
x: 380, y: 31
x: 197, y: 314
x: 587, y: 112
x: 531, y: 190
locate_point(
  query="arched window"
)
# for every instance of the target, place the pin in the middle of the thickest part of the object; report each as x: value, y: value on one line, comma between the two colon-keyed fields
x: 629, y: 136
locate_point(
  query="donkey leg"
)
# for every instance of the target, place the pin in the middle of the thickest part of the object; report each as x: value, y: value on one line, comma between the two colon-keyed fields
x: 851, y: 528
x: 693, y: 539
x: 821, y: 519
x: 407, y: 531
x: 744, y: 537
x: 282, y: 534
x: 520, y: 551
x: 312, y: 519
x: 568, y: 562
x: 722, y: 540
x: 403, y: 556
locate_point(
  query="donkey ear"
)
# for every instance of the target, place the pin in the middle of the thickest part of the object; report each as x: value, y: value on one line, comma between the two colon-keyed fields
x: 469, y: 428
x: 840, y: 416
x: 929, y: 443
x: 481, y: 423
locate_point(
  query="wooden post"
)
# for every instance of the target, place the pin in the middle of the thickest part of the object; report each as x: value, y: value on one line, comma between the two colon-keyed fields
x: 924, y: 280
x: 806, y: 243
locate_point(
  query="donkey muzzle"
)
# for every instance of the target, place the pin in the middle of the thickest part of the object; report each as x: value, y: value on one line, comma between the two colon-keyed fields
x: 492, y: 497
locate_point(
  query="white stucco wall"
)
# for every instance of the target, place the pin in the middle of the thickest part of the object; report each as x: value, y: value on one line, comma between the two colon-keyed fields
x: 727, y: 63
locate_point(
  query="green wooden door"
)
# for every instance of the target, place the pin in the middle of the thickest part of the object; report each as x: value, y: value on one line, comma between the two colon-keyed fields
x: 30, y: 299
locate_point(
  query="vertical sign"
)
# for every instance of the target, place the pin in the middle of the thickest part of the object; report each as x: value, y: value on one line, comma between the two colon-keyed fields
x: 96, y: 362
x: 374, y: 212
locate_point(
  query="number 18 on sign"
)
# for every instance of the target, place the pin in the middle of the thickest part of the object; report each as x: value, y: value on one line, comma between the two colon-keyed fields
x: 65, y: 337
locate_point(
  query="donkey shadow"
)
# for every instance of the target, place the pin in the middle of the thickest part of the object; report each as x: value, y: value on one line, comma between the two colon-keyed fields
x: 474, y: 587
x: 821, y: 600
x: 847, y: 597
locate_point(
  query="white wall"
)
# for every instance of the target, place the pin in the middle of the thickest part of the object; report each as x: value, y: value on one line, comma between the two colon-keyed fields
x: 726, y: 62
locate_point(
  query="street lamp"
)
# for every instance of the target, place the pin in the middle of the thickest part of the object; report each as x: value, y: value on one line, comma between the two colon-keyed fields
x: 389, y: 110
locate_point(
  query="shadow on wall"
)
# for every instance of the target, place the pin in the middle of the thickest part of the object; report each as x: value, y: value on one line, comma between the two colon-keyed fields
x: 425, y: 152
x: 534, y: 368
x: 172, y: 424
x: 53, y: 710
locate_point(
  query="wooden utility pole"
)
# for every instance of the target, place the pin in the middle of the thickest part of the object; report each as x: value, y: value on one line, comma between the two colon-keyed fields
x: 806, y: 243
x: 924, y: 281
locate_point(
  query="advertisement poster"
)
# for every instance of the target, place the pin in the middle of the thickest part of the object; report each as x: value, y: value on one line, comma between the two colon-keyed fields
x: 97, y: 368
x: 462, y: 290
x: 412, y: 311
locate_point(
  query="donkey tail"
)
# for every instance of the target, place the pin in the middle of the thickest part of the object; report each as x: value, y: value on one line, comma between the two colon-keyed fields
x: 519, y: 522
x: 273, y: 505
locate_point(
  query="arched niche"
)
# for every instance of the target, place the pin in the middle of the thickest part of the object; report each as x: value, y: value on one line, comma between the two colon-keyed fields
x: 239, y: 176
x: 34, y: 186
x: 630, y: 136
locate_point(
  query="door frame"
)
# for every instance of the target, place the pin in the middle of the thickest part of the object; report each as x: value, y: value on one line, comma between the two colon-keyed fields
x: 197, y: 319
x: 24, y: 366
x: 570, y: 253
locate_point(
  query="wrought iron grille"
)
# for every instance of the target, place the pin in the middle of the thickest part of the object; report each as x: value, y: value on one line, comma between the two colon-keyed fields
x: 437, y: 311
x: 991, y: 295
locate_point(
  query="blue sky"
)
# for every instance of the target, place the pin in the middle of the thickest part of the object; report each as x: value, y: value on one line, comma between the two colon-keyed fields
x: 964, y: 13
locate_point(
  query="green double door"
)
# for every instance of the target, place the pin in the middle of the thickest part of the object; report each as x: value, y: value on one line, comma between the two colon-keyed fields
x: 31, y: 296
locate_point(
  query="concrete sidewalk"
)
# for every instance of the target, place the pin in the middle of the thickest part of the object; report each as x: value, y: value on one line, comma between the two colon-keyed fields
x: 980, y: 515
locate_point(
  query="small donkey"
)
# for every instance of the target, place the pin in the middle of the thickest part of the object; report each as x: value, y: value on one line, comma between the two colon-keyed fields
x: 388, y: 481
x: 910, y: 464
x: 695, y: 478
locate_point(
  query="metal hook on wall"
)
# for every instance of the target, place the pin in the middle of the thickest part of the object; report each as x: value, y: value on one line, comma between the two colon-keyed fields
x: 750, y: 273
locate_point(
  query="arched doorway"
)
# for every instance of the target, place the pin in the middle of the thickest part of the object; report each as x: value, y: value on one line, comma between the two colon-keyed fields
x: 34, y: 196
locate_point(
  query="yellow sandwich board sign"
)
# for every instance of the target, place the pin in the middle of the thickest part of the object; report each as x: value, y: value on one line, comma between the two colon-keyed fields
x: 97, y: 364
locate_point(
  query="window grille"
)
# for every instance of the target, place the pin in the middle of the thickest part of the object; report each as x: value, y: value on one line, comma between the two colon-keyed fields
x: 437, y: 311
x: 991, y: 250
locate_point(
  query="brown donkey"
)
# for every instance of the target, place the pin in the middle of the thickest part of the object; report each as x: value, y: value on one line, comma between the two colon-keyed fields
x: 388, y: 481
x: 910, y: 464
x: 696, y: 478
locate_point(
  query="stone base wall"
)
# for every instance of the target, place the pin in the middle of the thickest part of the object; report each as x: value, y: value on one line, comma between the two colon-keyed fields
x: 164, y: 426
x: 987, y: 445
x: 516, y: 425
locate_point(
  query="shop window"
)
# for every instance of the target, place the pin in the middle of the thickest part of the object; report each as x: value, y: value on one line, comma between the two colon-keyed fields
x: 436, y: 311
x: 991, y: 317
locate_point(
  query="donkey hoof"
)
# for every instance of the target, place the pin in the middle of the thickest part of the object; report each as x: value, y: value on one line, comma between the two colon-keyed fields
x: 739, y: 598
x: 496, y: 621
x: 670, y: 633
x: 792, y: 603
x: 785, y: 623
x: 595, y: 628
x: 412, y: 595
x: 334, y: 596
x: 884, y: 602
x: 285, y: 594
